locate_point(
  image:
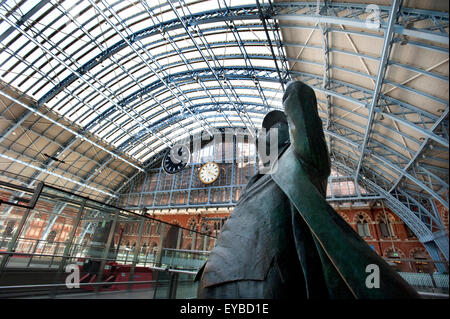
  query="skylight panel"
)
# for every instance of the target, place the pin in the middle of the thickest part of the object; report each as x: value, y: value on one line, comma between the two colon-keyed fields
x: 4, y: 26
x: 113, y: 136
x: 101, y: 129
x: 166, y: 16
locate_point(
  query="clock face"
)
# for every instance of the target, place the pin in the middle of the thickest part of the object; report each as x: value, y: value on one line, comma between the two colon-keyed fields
x: 209, y: 172
x: 176, y: 159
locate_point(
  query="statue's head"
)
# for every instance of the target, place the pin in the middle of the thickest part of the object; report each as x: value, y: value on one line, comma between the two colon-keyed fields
x: 274, y: 121
x: 299, y: 101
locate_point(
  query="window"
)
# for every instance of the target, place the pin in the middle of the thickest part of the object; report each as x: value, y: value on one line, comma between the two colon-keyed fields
x: 10, y: 228
x: 51, y: 236
x: 363, y: 227
x: 386, y: 228
x: 409, y: 232
x: 158, y: 228
x: 149, y: 226
x: 192, y: 225
x: 421, y: 265
x: 206, y: 228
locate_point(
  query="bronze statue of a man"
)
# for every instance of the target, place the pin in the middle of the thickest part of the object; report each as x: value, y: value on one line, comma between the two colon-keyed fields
x: 283, y: 240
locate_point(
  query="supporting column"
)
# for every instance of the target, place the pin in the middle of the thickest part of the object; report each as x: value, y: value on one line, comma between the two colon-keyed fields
x: 107, y: 249
x: 137, y: 250
x: 435, y: 255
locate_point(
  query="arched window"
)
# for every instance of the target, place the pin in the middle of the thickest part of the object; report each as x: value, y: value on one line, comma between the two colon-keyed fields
x: 157, y: 228
x: 362, y: 226
x: 144, y: 248
x: 420, y: 264
x: 386, y: 227
x: 206, y: 228
x: 9, y: 228
x: 192, y: 226
x: 409, y: 232
x: 51, y: 236
x: 153, y: 248
x: 393, y: 255
x: 148, y: 228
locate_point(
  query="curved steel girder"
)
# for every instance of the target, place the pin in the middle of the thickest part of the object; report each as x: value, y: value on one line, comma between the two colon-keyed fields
x: 235, y: 13
x: 95, y: 127
x: 415, y: 223
x: 373, y: 179
x: 382, y: 67
x: 343, y: 10
x: 339, y: 89
x: 252, y: 56
x: 355, y: 143
x: 185, y: 77
x: 241, y: 13
x: 114, y: 81
x: 177, y: 116
x: 383, y: 158
x: 266, y: 74
x: 432, y: 220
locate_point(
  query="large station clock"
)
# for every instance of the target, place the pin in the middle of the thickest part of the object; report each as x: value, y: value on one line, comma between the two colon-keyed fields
x: 209, y: 172
x: 176, y: 159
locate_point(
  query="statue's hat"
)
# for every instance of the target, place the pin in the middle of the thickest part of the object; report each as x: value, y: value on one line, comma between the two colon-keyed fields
x: 272, y: 118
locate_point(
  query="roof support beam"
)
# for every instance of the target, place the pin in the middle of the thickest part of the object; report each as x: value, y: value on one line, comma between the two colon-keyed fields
x: 75, y: 72
x: 419, y: 151
x: 394, y: 167
x: 130, y: 42
x: 427, y: 133
x: 82, y: 137
x: 262, y: 17
x: 384, y: 61
x: 179, y: 53
x: 215, y: 69
x: 54, y: 174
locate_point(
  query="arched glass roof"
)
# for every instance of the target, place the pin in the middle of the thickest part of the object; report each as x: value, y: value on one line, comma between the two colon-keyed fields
x: 113, y: 83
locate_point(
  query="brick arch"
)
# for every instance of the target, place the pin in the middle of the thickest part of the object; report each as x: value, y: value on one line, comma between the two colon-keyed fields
x: 191, y: 221
x: 381, y: 215
x: 152, y: 246
x: 364, y: 214
x: 397, y: 250
x: 207, y: 227
x: 187, y: 244
x: 345, y: 217
x: 418, y: 249
x: 175, y: 222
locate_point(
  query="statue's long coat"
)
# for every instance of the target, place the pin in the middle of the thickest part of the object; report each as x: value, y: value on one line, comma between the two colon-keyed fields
x: 284, y: 241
